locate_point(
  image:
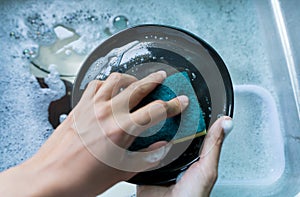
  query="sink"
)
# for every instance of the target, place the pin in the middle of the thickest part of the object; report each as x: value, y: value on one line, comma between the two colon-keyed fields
x: 258, y: 41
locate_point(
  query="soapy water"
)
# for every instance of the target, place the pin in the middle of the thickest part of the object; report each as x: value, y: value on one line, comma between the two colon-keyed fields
x: 28, y: 25
x: 24, y: 118
x: 101, y: 68
x: 254, y: 152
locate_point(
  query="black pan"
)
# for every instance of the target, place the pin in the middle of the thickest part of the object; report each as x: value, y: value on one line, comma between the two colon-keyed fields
x: 147, y: 48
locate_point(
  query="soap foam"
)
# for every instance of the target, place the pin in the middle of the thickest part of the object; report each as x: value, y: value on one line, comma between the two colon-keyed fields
x: 24, y: 112
x: 253, y: 153
x: 102, y: 67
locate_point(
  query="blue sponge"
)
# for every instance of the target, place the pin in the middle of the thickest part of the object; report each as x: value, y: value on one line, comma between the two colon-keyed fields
x: 186, y: 126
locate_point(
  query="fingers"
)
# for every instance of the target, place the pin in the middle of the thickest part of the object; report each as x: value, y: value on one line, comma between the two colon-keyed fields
x: 177, y: 105
x: 92, y: 88
x: 113, y: 117
x: 157, y: 111
x: 135, y: 123
x: 132, y: 95
x: 201, y: 176
x: 113, y: 84
x: 210, y: 153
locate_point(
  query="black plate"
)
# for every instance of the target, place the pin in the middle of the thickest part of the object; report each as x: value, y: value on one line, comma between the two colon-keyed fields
x: 147, y: 48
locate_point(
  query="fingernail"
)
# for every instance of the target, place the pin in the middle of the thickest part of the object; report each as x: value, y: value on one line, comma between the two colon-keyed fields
x: 162, y: 73
x: 227, y: 125
x: 184, y: 100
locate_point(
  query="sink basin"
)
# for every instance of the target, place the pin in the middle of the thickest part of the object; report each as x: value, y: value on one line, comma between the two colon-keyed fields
x: 258, y: 41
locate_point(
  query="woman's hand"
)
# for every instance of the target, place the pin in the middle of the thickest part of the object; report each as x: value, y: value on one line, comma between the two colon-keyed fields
x: 200, y: 177
x: 87, y: 153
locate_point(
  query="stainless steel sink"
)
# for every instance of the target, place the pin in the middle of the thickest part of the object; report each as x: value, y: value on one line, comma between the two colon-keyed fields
x: 269, y: 166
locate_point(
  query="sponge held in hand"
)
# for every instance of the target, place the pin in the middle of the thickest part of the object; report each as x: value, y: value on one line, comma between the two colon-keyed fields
x: 185, y: 126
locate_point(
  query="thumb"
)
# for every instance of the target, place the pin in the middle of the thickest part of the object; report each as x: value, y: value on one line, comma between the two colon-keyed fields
x: 211, y: 148
x: 210, y: 153
x: 200, y: 178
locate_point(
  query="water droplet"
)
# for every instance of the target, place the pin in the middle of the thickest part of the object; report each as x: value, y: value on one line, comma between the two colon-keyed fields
x: 15, y: 35
x: 120, y: 22
x: 12, y: 34
x: 92, y: 18
x: 38, y: 30
x: 193, y: 76
x: 68, y: 52
x: 30, y: 53
x: 62, y: 117
x: 100, y: 76
x: 25, y: 51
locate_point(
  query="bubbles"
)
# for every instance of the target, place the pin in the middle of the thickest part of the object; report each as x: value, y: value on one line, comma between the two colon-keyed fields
x: 12, y: 34
x: 116, y: 24
x: 251, y: 163
x: 161, y: 38
x: 113, y: 62
x: 92, y: 18
x: 38, y: 30
x: 68, y: 52
x: 15, y: 35
x: 81, y: 16
x: 120, y: 22
x: 62, y: 117
x: 30, y: 53
x: 23, y: 112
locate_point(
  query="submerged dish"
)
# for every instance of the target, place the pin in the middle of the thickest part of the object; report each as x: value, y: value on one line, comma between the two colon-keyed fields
x: 144, y: 49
